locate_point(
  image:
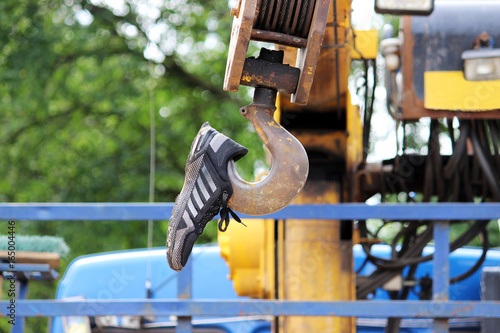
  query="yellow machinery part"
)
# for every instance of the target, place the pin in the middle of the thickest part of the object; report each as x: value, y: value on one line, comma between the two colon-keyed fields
x: 449, y: 90
x: 313, y: 262
x: 249, y: 253
x: 354, y: 152
x: 317, y: 263
x: 365, y: 44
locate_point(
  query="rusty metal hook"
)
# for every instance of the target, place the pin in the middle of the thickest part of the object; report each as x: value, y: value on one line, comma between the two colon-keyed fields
x: 289, y: 168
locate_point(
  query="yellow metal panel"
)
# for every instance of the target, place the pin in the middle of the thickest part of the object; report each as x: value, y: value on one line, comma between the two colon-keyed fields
x: 267, y: 262
x: 450, y: 91
x: 241, y: 248
x: 279, y: 327
x: 366, y: 43
x: 331, y: 143
x: 317, y: 265
x: 354, y: 152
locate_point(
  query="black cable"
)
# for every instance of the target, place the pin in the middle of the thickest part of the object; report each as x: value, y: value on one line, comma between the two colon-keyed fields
x: 428, y: 179
x: 451, y: 182
x: 465, y: 167
x: 366, y: 130
x: 437, y: 164
x: 405, y: 144
x: 479, y: 262
x: 386, y: 272
x: 451, y: 132
x: 364, y: 232
x: 405, y: 260
x: 480, y: 155
x: 495, y: 138
x: 406, y: 233
x: 482, y: 133
x: 458, y: 152
x: 287, y: 17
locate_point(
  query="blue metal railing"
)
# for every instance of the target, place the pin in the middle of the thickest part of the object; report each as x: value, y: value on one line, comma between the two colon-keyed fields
x: 440, y: 308
x: 162, y: 211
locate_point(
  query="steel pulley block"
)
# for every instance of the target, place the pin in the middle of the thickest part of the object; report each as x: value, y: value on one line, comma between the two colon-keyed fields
x: 296, y: 23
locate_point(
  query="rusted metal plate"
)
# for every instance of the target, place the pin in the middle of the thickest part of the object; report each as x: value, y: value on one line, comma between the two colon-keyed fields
x: 238, y: 46
x: 262, y: 73
x: 307, y: 58
x: 309, y: 49
x: 436, y: 43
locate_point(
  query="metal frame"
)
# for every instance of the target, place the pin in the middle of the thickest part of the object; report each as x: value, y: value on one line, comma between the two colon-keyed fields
x: 307, y: 57
x: 440, y: 308
x: 162, y: 211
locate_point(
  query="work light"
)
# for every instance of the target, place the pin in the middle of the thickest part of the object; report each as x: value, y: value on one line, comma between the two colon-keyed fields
x: 482, y: 64
x: 404, y: 7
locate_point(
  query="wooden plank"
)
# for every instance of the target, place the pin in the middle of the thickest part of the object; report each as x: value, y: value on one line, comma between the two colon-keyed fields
x: 28, y: 257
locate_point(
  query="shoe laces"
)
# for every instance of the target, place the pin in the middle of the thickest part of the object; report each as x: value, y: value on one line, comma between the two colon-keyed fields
x: 226, y: 212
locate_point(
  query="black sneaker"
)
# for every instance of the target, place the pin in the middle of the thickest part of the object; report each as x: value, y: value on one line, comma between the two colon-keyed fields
x: 206, y: 190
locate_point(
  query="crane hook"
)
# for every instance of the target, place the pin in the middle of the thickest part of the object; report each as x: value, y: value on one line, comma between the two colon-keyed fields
x: 289, y: 168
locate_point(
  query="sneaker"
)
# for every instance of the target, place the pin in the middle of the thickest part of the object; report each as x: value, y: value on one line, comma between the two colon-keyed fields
x: 205, y: 192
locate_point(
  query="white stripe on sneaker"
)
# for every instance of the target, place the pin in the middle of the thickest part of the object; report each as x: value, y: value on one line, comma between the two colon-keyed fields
x: 203, y: 190
x: 217, y: 141
x: 191, y: 208
x: 180, y: 235
x: 188, y: 220
x: 197, y: 198
x: 208, y: 178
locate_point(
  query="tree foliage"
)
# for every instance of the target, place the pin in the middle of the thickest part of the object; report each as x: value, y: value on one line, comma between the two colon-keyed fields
x: 76, y: 77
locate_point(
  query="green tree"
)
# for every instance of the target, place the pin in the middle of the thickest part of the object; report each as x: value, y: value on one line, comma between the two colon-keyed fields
x: 76, y: 79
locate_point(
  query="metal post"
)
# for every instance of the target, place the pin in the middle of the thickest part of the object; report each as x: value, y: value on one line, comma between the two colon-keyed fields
x: 184, y: 288
x: 22, y: 285
x: 441, y: 271
x: 317, y: 263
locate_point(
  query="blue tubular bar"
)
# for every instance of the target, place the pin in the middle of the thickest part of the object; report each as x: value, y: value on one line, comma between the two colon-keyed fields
x: 30, y: 271
x: 440, y: 308
x: 25, y: 268
x: 441, y: 271
x: 184, y: 290
x: 186, y: 308
x: 162, y: 211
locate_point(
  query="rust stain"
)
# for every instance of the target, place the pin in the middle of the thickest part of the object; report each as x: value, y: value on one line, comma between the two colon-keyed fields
x: 273, y: 124
x: 465, y: 308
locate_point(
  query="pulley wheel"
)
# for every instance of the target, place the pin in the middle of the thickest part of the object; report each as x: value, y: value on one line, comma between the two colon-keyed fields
x: 289, y: 17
